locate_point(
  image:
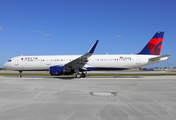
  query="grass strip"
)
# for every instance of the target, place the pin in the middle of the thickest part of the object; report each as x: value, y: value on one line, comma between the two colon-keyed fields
x: 13, y: 74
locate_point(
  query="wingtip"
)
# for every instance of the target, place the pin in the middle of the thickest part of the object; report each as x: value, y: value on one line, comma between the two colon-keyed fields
x: 93, y: 47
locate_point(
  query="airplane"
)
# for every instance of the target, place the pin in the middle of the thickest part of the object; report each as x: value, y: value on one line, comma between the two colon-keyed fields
x: 79, y: 64
x: 146, y: 69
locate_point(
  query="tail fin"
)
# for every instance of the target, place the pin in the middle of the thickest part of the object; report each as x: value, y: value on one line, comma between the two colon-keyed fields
x: 140, y: 68
x: 154, y: 45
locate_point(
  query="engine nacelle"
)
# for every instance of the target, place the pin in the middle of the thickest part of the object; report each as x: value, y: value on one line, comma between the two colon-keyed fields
x: 59, y: 70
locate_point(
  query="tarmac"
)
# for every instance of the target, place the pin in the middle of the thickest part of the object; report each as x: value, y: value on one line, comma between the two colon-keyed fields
x: 90, y: 98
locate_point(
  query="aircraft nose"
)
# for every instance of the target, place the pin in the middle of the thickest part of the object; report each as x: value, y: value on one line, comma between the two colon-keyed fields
x: 5, y: 65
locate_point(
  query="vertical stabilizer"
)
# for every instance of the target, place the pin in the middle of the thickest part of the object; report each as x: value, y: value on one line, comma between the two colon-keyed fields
x: 153, y: 47
x: 140, y: 68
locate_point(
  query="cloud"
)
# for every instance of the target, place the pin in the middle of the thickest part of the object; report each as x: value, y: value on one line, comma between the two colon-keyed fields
x: 48, y: 34
x: 118, y: 35
x: 43, y: 33
x: 100, y: 52
x: 1, y: 28
x: 174, y: 4
x: 172, y: 61
x: 138, y: 48
x: 5, y: 56
x: 39, y: 31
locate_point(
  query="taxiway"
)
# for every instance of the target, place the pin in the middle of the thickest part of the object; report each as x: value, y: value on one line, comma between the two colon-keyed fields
x: 91, y: 98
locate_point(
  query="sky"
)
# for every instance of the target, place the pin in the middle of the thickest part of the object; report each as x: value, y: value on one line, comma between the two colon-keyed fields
x: 70, y: 27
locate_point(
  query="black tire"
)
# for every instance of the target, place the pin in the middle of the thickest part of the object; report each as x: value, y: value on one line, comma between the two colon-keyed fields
x: 78, y: 75
x: 83, y: 75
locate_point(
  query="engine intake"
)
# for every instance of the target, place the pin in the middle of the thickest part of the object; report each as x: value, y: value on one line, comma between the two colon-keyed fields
x: 59, y: 70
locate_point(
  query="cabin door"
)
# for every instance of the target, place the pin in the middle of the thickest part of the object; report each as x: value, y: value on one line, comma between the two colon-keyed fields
x: 16, y: 62
x: 48, y: 61
x: 138, y: 60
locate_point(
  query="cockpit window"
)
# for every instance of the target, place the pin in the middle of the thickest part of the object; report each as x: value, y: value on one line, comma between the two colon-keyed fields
x: 9, y: 60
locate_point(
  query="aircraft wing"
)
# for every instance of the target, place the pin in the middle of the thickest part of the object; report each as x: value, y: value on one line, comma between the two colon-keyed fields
x: 82, y: 60
x: 158, y: 58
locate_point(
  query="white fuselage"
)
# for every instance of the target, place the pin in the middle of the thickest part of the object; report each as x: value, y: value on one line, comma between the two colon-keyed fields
x: 101, y: 62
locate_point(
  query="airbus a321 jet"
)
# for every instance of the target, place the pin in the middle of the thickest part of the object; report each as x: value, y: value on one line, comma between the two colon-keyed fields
x: 79, y: 64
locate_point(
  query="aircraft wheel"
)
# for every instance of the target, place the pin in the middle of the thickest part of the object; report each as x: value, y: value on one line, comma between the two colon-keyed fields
x: 20, y: 74
x: 78, y: 75
x: 83, y: 75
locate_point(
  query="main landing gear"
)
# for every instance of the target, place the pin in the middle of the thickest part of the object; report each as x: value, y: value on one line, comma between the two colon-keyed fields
x: 20, y: 74
x: 81, y: 75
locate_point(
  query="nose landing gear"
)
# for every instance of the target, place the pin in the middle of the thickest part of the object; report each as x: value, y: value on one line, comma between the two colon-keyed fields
x: 20, y: 74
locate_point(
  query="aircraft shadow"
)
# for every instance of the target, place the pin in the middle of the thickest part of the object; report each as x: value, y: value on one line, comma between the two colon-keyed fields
x: 63, y: 78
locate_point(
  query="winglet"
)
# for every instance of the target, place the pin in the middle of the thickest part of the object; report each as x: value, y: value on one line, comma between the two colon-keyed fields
x: 93, y: 47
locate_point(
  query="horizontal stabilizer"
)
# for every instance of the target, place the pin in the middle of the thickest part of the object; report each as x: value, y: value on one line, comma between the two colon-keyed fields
x: 159, y: 57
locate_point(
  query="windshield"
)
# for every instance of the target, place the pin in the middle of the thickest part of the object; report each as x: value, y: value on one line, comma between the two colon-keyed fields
x: 9, y: 60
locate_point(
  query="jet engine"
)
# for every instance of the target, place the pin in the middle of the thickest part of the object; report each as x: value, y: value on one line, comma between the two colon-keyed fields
x: 59, y: 70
